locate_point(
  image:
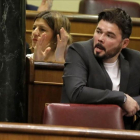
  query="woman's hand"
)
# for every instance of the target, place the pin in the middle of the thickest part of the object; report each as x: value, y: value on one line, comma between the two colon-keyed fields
x: 62, y: 41
x: 41, y: 50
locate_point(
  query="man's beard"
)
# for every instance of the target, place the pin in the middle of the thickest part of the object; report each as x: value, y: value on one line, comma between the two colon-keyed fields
x: 108, y: 54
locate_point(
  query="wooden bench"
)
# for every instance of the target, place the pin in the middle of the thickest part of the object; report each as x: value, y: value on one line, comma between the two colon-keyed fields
x: 44, y: 85
x: 83, y: 26
x: 22, y: 131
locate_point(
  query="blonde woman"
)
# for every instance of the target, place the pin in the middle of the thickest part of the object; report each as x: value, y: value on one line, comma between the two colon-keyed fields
x: 50, y: 37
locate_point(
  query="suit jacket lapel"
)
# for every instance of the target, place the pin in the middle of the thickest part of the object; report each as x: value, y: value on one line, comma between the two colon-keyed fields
x: 124, y: 66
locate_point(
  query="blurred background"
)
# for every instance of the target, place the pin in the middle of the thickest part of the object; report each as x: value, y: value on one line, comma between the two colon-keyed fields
x: 66, y: 5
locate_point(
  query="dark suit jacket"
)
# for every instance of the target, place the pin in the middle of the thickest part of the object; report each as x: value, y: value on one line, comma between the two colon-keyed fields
x: 86, y: 80
x: 31, y: 7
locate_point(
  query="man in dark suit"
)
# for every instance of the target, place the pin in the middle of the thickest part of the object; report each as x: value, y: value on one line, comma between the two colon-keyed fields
x: 102, y: 70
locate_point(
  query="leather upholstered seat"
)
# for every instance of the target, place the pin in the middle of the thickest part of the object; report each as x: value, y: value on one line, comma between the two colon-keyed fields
x: 96, y: 6
x: 84, y: 115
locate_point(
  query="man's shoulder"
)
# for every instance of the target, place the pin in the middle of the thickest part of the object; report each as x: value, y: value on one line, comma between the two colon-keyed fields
x: 82, y: 48
x: 83, y: 44
x: 131, y: 54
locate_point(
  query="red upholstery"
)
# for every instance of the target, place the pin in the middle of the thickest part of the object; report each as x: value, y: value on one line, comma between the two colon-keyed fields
x: 96, y: 6
x: 84, y: 115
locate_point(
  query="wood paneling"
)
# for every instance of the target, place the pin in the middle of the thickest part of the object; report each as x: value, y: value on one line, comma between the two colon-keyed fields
x: 44, y: 85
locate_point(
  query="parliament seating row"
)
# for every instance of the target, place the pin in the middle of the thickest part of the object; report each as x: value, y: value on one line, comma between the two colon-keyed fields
x: 83, y: 26
x: 49, y: 82
x: 44, y: 80
x: 23, y: 131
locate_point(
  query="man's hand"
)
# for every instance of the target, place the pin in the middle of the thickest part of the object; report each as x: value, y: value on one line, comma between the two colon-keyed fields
x: 130, y: 107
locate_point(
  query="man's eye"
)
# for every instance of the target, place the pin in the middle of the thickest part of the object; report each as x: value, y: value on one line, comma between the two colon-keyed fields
x: 110, y: 36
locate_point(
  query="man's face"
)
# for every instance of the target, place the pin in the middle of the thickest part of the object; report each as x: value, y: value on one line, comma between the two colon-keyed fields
x: 107, y: 41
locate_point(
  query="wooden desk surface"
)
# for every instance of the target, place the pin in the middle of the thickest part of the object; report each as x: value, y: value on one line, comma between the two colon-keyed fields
x: 22, y: 131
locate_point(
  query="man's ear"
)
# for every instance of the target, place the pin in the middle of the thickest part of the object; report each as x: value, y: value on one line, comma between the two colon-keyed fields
x: 125, y: 43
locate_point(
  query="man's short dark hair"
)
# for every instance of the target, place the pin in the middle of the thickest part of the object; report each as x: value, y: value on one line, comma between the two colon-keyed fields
x: 120, y: 18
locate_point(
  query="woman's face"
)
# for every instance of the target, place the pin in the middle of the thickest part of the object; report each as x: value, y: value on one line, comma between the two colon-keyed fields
x: 41, y: 27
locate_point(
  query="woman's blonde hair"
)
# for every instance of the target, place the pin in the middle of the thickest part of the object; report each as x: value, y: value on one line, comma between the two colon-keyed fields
x: 55, y: 21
